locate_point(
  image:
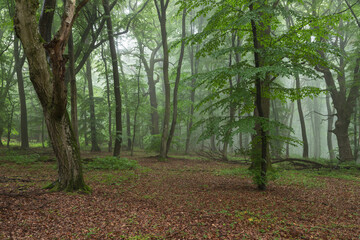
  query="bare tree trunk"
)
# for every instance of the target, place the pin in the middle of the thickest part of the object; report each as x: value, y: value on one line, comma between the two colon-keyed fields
x: 118, y: 120
x: 136, y: 109
x: 330, y: 127
x: 51, y: 88
x: 290, y: 125
x: 149, y: 69
x: 177, y: 80
x: 302, y: 121
x: 94, y: 144
x: 127, y: 107
x: 73, y: 89
x: 23, y: 111
x: 161, y: 6
x: 194, y: 64
x: 108, y: 98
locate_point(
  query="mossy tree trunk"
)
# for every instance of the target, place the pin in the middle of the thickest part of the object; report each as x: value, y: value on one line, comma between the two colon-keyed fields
x: 49, y: 84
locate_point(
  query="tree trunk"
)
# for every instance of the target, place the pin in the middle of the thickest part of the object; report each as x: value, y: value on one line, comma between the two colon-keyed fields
x: 73, y: 89
x: 136, y: 109
x: 194, y: 65
x: 51, y: 88
x: 302, y: 121
x: 287, y: 154
x: 108, y: 98
x: 330, y: 127
x: 260, y: 150
x: 161, y: 6
x: 118, y: 120
x: 94, y: 144
x: 149, y: 69
x: 176, y: 87
x: 127, y: 107
x: 23, y: 111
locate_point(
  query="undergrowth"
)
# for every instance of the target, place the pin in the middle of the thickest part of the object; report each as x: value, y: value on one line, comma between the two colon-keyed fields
x: 111, y: 163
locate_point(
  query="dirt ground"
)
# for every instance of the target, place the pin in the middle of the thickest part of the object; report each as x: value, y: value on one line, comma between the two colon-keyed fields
x: 178, y: 199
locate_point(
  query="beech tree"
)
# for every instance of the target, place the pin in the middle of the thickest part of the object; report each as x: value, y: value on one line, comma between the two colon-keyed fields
x: 48, y: 79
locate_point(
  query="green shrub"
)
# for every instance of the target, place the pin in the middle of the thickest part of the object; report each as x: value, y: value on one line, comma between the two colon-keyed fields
x: 152, y: 143
x: 112, y: 163
x: 20, y: 159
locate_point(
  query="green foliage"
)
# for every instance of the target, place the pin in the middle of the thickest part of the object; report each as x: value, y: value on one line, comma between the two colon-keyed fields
x: 240, y: 171
x: 112, y: 163
x: 14, y: 157
x: 152, y: 142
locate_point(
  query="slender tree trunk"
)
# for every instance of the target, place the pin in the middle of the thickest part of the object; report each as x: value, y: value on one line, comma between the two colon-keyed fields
x: 108, y: 98
x: 86, y: 139
x: 194, y: 64
x: 136, y: 109
x: 1, y: 133
x: 316, y: 129
x: 51, y: 88
x: 330, y: 127
x: 149, y: 69
x: 355, y: 123
x: 9, y: 126
x: 23, y: 110
x: 161, y: 6
x: 73, y: 89
x: 94, y: 144
x: 118, y: 120
x: 302, y: 121
x: 260, y: 151
x: 287, y: 154
x: 127, y: 107
x: 176, y: 87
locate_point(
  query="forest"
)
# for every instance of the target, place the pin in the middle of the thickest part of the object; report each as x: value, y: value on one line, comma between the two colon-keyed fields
x: 180, y: 119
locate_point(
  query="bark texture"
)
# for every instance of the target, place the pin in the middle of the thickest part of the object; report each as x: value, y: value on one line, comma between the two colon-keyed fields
x: 118, y: 120
x: 161, y: 6
x: 51, y: 89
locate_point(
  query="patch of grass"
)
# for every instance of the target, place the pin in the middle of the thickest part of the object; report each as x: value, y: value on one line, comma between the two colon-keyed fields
x: 346, y: 174
x: 112, y: 163
x: 303, y: 178
x: 240, y: 171
x: 115, y: 179
x: 20, y: 159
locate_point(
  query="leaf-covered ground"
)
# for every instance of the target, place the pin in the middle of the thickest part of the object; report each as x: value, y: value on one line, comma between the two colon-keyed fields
x: 178, y: 199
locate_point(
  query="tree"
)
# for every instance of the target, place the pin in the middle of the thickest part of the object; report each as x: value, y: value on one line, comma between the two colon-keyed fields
x: 118, y: 119
x: 94, y: 144
x: 19, y: 62
x: 161, y: 7
x: 342, y: 91
x: 48, y: 79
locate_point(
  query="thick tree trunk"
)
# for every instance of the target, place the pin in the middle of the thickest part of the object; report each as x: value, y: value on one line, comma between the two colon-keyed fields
x: 66, y: 151
x: 51, y: 88
x: 161, y: 6
x: 118, y: 120
x: 23, y: 110
x: 94, y: 144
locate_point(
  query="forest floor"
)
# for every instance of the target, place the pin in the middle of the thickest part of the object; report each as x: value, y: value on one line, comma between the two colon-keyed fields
x: 183, y: 198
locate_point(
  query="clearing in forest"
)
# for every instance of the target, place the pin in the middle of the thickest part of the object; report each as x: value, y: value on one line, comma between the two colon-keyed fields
x: 184, y: 198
